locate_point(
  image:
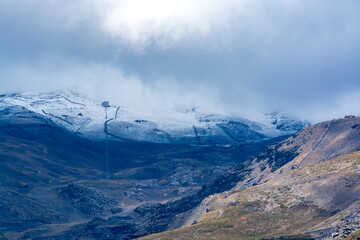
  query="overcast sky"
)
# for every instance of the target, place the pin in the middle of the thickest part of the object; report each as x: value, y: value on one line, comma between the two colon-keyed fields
x: 239, y: 56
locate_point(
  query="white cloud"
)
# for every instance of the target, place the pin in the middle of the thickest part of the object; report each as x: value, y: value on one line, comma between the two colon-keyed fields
x: 139, y: 24
x: 108, y: 82
x: 256, y: 53
x: 163, y: 23
x: 142, y: 23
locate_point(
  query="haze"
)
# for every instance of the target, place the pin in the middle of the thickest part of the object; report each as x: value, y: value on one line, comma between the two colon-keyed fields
x: 240, y: 56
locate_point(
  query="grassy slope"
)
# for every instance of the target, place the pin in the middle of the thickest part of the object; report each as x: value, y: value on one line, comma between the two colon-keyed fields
x: 290, y: 205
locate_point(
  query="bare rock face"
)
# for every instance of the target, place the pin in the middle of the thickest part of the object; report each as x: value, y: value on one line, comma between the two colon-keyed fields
x: 88, y: 201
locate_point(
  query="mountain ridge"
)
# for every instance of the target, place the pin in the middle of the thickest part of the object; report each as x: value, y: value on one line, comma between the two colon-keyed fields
x: 44, y: 166
x: 318, y: 199
x: 79, y: 114
x: 184, y: 191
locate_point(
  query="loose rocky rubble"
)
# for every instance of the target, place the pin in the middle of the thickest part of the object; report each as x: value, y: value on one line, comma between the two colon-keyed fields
x: 88, y: 201
x: 348, y: 225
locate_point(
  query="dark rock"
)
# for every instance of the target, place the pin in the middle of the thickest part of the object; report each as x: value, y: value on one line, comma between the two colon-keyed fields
x: 87, y: 200
x: 116, y: 210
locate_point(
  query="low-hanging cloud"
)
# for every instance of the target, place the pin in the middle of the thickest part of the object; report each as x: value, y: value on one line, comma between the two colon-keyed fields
x: 99, y: 82
x: 248, y: 55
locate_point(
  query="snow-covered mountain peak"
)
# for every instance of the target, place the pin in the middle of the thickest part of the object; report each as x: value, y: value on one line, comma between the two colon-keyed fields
x: 77, y: 113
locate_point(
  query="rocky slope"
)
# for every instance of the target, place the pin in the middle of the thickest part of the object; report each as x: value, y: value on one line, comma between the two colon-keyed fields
x: 254, y: 211
x: 77, y: 113
x: 53, y: 180
x: 305, y: 187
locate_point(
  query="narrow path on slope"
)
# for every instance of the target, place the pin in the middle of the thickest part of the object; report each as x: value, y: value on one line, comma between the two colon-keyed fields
x: 316, y: 145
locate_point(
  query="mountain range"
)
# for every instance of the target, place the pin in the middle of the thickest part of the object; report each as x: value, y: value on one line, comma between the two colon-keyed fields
x: 69, y: 172
x: 185, y: 125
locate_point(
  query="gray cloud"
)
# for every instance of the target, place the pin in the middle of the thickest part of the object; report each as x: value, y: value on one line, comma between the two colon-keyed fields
x: 255, y: 55
x: 101, y: 82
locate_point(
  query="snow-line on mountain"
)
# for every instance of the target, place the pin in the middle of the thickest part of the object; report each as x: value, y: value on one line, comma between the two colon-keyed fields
x: 79, y: 114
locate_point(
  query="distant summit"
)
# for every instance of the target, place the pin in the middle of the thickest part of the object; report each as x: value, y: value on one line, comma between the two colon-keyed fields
x: 77, y: 113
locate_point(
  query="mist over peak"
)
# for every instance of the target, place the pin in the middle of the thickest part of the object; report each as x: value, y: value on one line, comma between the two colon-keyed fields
x: 240, y: 57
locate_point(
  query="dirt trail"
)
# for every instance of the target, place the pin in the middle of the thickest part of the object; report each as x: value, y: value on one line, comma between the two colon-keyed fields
x: 316, y: 145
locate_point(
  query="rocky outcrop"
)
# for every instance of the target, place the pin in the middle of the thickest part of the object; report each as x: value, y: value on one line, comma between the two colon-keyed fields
x: 88, y: 201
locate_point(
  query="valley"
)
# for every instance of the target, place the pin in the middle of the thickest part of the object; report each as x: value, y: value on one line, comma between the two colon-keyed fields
x: 57, y: 183
x: 53, y: 179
